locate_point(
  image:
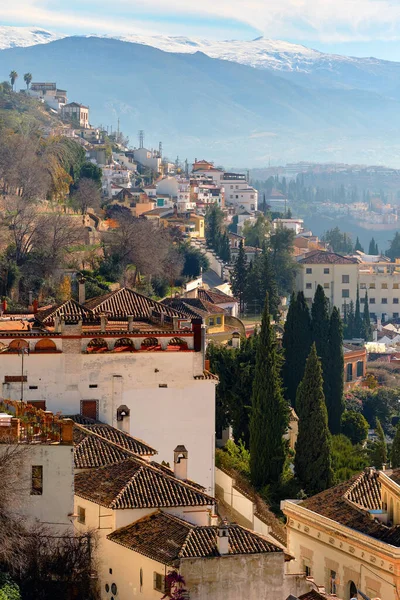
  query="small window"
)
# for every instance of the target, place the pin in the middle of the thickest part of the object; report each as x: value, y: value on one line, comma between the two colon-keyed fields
x: 81, y: 515
x: 219, y: 320
x: 363, y: 286
x: 345, y: 293
x: 384, y: 300
x: 332, y: 582
x: 372, y: 300
x: 326, y: 286
x: 384, y: 286
x: 308, y: 286
x: 308, y: 271
x: 158, y: 582
x: 93, y: 385
x: 141, y: 579
x: 349, y: 372
x: 37, y: 480
x: 33, y: 387
x: 395, y: 300
x: 395, y: 286
x: 360, y: 368
x: 345, y: 278
x: 371, y: 286
x: 211, y: 321
x: 372, y: 315
x: 395, y: 315
x: 362, y: 300
x: 307, y: 570
x: 162, y: 385
x: 326, y: 271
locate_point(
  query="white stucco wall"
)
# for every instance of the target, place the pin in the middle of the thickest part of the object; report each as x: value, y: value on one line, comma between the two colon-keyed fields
x: 181, y: 413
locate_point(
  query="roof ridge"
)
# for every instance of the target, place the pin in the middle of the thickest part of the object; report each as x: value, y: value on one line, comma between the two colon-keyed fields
x: 124, y: 488
x: 109, y: 442
x: 101, y: 424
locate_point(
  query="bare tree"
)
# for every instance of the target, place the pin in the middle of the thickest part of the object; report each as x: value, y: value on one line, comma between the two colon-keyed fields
x: 21, y: 218
x: 87, y: 195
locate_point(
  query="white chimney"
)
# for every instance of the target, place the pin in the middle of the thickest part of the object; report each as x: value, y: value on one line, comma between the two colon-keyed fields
x: 236, y: 340
x: 223, y: 538
x: 103, y: 323
x: 180, y: 462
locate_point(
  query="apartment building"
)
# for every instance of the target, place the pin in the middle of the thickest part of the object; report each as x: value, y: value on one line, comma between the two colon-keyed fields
x: 238, y: 192
x: 340, y: 275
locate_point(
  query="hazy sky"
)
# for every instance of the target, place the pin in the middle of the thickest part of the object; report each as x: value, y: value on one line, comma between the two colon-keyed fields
x: 357, y: 27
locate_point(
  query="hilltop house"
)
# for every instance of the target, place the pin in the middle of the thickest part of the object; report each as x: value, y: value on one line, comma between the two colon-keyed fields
x: 119, y: 350
x: 77, y: 114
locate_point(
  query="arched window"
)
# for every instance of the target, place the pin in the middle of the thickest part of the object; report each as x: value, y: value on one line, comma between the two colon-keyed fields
x: 177, y: 344
x: 17, y: 345
x: 124, y: 345
x: 45, y: 345
x: 150, y: 344
x: 97, y: 345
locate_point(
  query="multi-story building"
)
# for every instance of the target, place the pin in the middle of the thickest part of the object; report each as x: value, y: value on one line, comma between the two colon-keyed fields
x: 347, y: 538
x: 238, y: 192
x: 121, y: 356
x: 77, y: 114
x: 341, y: 275
x: 48, y: 93
x: 150, y: 159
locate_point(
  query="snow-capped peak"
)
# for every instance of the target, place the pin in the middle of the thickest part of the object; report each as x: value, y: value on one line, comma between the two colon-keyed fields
x: 11, y: 37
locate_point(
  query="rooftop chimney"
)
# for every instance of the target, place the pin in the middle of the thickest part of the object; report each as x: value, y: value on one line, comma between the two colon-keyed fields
x: 81, y: 290
x: 180, y: 462
x: 130, y: 323
x: 223, y: 538
x: 236, y: 340
x: 67, y: 428
x: 103, y: 323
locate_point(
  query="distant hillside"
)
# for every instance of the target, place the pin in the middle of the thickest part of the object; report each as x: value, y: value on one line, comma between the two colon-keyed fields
x: 18, y: 112
x: 203, y: 106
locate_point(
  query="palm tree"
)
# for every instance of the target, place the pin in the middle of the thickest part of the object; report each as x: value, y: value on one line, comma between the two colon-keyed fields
x: 13, y: 76
x: 28, y: 79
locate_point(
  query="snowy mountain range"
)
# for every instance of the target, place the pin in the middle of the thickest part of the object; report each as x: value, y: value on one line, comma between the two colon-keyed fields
x: 291, y: 60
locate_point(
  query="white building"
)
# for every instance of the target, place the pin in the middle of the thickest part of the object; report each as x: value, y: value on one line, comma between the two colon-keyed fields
x: 147, y: 158
x: 238, y: 192
x: 295, y: 225
x: 178, y: 191
x: 48, y: 93
x: 143, y: 355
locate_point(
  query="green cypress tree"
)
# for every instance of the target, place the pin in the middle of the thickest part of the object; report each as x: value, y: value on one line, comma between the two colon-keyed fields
x: 358, y: 324
x: 378, y: 452
x: 239, y: 276
x: 334, y: 372
x: 312, y: 462
x: 269, y: 410
x: 367, y: 327
x: 358, y: 246
x: 242, y: 386
x: 296, y: 342
x: 268, y: 283
x: 373, y: 247
x: 396, y: 449
x: 320, y: 330
x: 350, y: 332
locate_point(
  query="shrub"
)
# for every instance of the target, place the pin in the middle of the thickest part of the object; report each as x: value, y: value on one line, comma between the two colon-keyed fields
x: 354, y: 426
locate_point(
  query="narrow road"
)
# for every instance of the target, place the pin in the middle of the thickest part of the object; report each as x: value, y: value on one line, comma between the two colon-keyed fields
x: 211, y: 279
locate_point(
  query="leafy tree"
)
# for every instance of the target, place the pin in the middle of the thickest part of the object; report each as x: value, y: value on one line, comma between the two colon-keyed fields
x: 347, y: 460
x: 378, y: 450
x: 269, y: 412
x: 296, y: 344
x: 239, y: 276
x: 396, y: 449
x: 222, y: 362
x: 195, y: 261
x: 225, y: 248
x: 28, y: 79
x: 214, y: 219
x: 373, y: 248
x: 394, y: 249
x: 354, y: 426
x: 87, y: 195
x: 313, y: 462
x: 358, y: 246
x: 358, y: 324
x: 9, y: 590
x: 367, y: 327
x: 13, y: 77
x: 334, y: 369
x: 284, y: 266
x: 338, y: 241
x: 256, y: 233
x: 91, y: 171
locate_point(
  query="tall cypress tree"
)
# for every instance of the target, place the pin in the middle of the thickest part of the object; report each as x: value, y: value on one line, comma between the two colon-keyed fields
x: 312, y: 462
x: 239, y: 274
x: 367, y: 328
x: 269, y: 412
x: 373, y: 247
x: 269, y: 285
x: 296, y: 343
x: 358, y: 325
x: 396, y: 449
x: 242, y: 389
x: 378, y: 453
x: 334, y: 372
x: 358, y: 246
x: 350, y: 331
x: 320, y: 330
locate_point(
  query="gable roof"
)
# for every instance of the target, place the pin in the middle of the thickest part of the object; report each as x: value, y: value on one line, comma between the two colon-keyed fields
x: 69, y: 310
x: 126, y: 302
x: 166, y: 539
x: 193, y: 307
x: 133, y: 483
x: 321, y: 257
x: 215, y: 296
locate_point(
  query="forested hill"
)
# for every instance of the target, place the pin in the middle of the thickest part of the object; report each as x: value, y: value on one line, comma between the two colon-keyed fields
x: 200, y: 105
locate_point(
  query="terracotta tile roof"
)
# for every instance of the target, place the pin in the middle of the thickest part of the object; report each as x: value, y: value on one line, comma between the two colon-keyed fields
x: 166, y: 539
x: 349, y: 503
x: 320, y: 257
x: 193, y: 306
x: 126, y: 302
x: 207, y: 375
x: 91, y: 451
x: 394, y: 475
x: 215, y: 296
x: 133, y: 483
x: 70, y: 310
